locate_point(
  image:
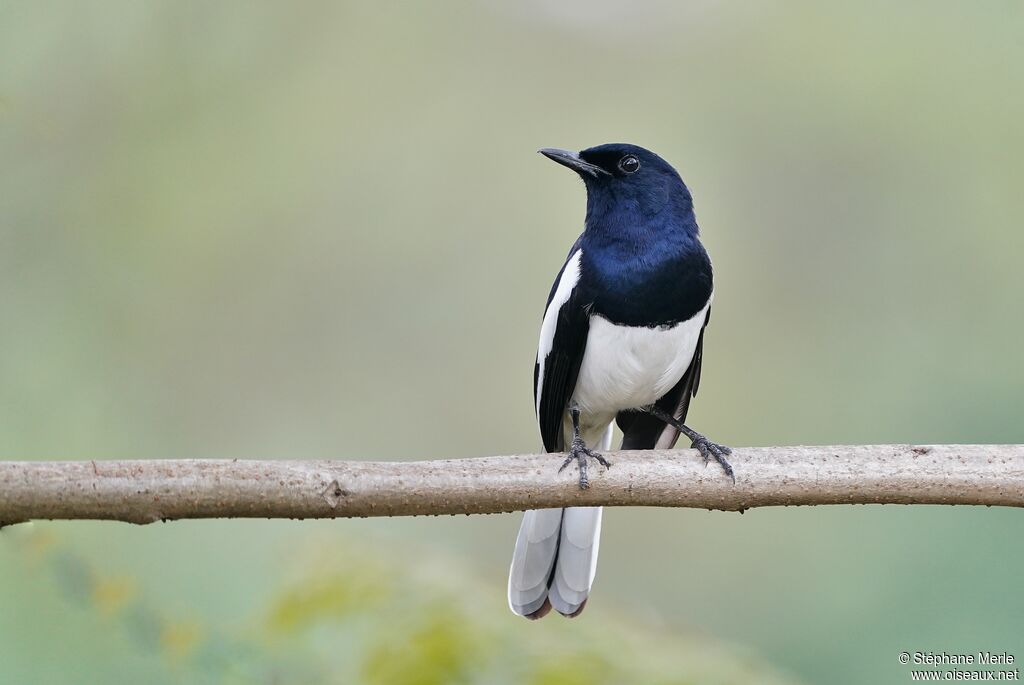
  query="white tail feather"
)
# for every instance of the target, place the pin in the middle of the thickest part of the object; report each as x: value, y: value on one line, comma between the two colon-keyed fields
x: 533, y: 560
x: 556, y: 557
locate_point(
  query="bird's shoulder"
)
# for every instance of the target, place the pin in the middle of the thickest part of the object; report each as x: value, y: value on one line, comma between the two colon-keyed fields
x: 563, y: 338
x: 569, y: 258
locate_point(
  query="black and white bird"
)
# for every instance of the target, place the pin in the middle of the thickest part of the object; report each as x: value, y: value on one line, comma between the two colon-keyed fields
x: 621, y: 340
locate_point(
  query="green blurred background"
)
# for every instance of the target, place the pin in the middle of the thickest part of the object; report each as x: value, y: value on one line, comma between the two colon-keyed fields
x: 319, y: 230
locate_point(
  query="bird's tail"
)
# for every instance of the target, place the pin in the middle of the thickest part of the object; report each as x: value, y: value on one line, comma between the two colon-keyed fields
x: 555, y: 558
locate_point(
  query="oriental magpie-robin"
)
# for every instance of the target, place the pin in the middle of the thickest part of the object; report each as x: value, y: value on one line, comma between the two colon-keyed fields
x: 621, y: 340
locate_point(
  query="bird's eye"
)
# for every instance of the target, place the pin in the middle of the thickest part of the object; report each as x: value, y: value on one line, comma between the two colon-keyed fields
x: 629, y: 164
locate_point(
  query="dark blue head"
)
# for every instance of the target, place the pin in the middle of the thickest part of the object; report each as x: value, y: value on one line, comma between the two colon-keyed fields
x: 628, y: 186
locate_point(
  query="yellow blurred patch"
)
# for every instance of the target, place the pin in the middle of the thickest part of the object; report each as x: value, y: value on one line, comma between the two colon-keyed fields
x: 111, y: 595
x: 440, y: 650
x: 180, y: 638
x: 39, y: 541
x: 326, y: 598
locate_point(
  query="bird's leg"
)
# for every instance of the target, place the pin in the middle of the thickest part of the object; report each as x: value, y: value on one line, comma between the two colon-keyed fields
x: 707, y: 448
x: 579, y: 451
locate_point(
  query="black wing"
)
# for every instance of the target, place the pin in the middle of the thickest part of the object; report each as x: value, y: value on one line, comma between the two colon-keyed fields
x: 553, y: 390
x: 641, y: 431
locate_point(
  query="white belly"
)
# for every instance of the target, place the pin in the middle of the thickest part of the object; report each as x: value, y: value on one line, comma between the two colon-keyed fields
x: 628, y: 367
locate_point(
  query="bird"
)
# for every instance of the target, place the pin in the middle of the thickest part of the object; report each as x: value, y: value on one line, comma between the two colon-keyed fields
x: 621, y: 341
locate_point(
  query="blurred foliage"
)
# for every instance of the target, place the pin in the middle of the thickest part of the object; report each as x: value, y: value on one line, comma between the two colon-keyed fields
x: 320, y: 230
x: 327, y: 597
x: 353, y: 616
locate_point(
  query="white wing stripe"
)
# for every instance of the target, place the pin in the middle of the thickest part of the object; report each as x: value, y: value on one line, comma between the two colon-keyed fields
x: 570, y: 277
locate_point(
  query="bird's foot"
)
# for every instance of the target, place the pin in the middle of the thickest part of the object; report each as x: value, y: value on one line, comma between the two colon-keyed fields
x: 712, y: 450
x: 579, y: 452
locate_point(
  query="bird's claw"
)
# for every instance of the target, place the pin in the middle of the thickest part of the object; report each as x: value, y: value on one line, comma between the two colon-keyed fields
x: 579, y: 452
x: 710, y: 450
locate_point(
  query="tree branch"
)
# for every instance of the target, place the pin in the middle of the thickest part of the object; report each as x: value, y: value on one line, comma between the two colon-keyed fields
x: 147, y: 491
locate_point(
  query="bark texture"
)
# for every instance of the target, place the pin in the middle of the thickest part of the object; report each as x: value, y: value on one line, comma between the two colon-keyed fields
x: 148, y: 491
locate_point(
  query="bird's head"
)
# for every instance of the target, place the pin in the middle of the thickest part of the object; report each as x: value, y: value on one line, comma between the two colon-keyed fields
x: 621, y: 176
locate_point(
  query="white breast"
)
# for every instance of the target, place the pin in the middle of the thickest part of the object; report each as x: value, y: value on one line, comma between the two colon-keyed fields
x: 627, y: 367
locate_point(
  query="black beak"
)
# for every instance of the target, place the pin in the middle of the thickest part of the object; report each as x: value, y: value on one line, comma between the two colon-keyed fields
x: 573, y: 161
